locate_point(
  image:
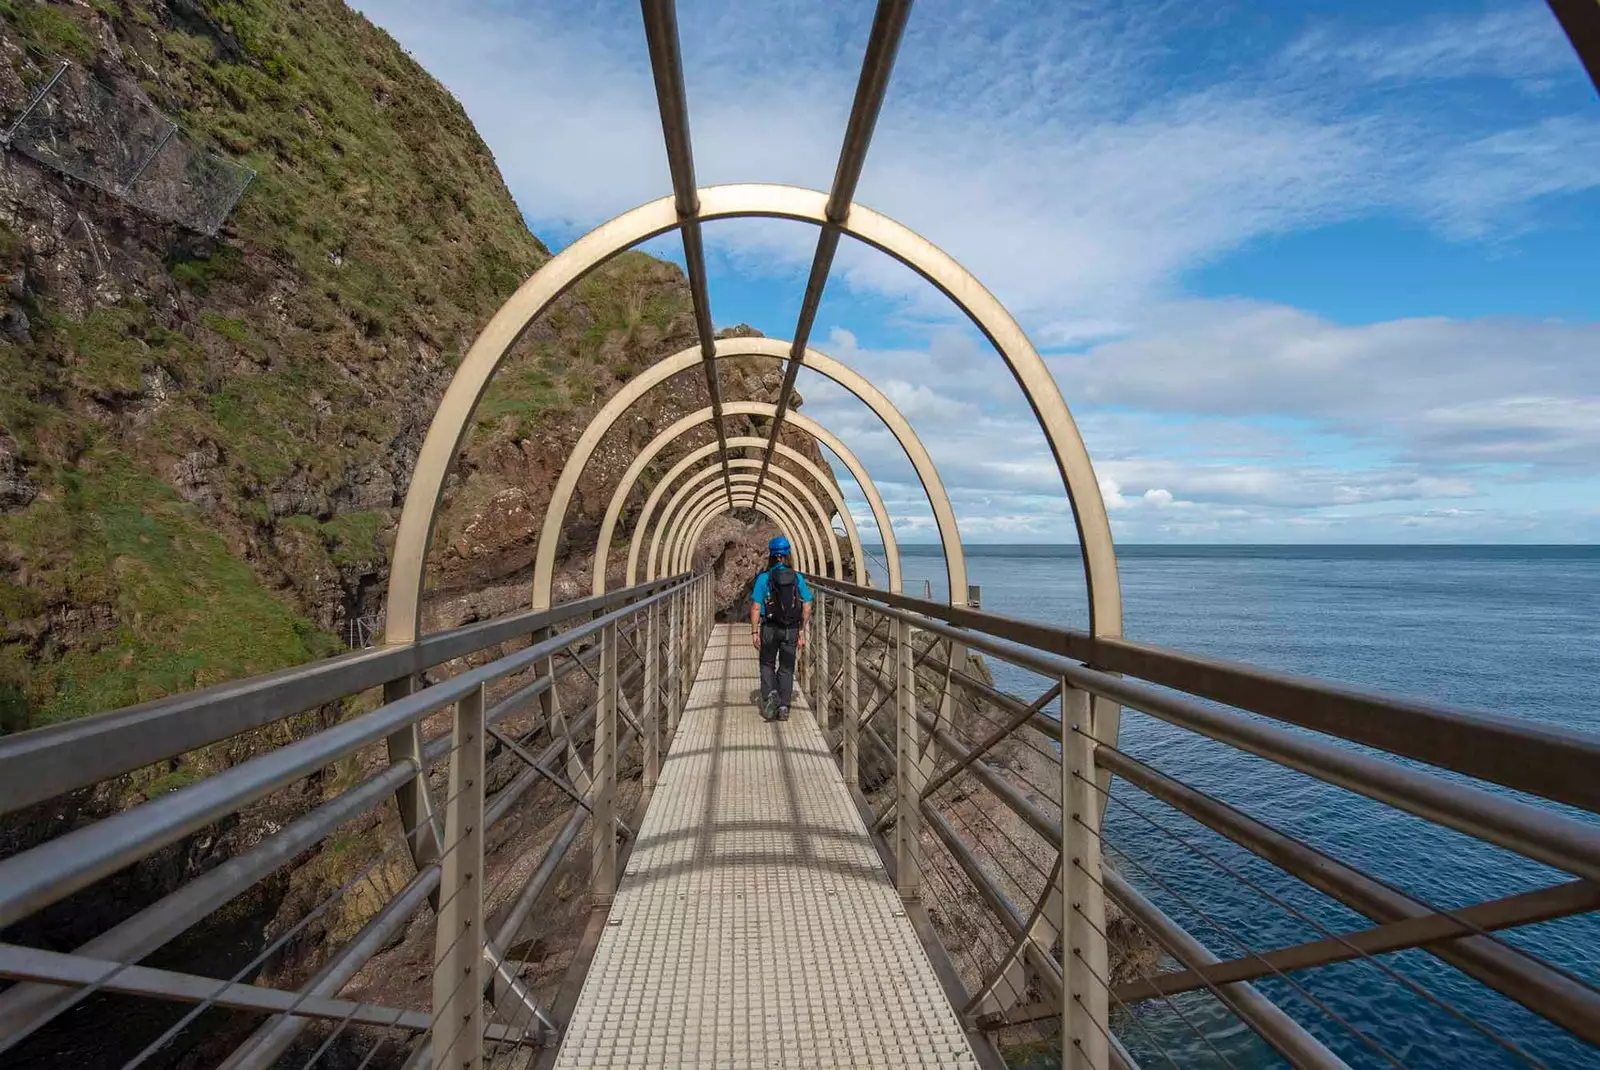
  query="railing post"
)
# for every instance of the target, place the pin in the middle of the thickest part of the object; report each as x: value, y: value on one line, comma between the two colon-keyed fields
x: 458, y: 941
x: 852, y: 725
x: 417, y: 819
x: 652, y: 704
x: 908, y: 790
x: 603, y: 823
x: 1083, y: 947
x: 674, y: 680
x: 824, y: 715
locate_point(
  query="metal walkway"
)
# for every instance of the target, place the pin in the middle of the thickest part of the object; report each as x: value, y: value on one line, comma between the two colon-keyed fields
x: 755, y: 925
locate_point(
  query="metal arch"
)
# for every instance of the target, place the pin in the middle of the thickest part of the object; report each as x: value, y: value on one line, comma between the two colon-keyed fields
x: 672, y: 528
x: 454, y: 415
x: 687, y: 535
x: 820, y: 545
x: 661, y: 538
x: 880, y: 513
x: 824, y: 547
x: 744, y: 499
x: 689, y: 459
x: 676, y: 431
x: 668, y: 531
x: 848, y: 378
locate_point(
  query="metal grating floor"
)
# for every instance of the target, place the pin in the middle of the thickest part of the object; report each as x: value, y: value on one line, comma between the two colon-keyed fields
x: 755, y: 925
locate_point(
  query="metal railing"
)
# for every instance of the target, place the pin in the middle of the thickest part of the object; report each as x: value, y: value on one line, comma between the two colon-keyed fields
x: 491, y: 745
x: 1000, y: 809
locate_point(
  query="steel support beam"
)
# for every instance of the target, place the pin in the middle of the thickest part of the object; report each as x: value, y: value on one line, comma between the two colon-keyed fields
x: 888, y: 26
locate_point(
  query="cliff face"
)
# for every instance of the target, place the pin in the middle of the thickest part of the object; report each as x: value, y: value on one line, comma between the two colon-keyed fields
x: 204, y: 442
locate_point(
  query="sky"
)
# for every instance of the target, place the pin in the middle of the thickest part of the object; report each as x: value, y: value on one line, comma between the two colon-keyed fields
x: 1305, y: 270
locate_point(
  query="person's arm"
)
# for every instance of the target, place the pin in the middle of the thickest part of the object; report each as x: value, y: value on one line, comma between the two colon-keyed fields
x: 805, y: 607
x: 758, y: 595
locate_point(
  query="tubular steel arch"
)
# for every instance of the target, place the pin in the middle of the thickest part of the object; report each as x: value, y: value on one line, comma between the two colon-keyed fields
x: 687, y: 210
x: 662, y: 370
x: 559, y: 274
x: 663, y: 537
x: 880, y: 513
x: 686, y: 536
x: 820, y: 558
x: 797, y: 525
x: 827, y: 550
x: 695, y: 455
x: 677, y: 430
x: 669, y: 531
x: 744, y: 497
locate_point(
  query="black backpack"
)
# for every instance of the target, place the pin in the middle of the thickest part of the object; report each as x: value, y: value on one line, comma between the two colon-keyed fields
x: 783, y: 598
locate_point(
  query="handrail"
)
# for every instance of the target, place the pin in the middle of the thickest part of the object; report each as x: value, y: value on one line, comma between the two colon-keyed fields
x: 975, y: 766
x: 1559, y: 764
x: 656, y: 628
x: 56, y: 869
x: 45, y: 762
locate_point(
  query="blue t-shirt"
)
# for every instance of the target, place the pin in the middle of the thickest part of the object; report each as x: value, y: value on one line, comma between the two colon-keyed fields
x: 758, y: 594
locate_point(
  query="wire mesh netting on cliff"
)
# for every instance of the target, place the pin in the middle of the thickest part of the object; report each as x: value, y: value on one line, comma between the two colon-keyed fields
x: 116, y: 141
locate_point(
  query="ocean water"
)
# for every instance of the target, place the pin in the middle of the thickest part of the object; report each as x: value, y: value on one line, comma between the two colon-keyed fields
x: 1512, y: 630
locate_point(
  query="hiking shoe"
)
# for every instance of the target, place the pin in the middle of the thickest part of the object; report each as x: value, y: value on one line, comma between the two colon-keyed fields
x: 769, y: 708
x: 783, y: 713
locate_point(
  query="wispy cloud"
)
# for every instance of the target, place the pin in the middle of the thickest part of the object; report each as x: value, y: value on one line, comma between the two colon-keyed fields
x: 1047, y: 147
x: 1081, y: 158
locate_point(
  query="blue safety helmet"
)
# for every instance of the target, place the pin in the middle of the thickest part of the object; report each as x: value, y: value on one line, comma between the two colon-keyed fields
x: 778, y: 547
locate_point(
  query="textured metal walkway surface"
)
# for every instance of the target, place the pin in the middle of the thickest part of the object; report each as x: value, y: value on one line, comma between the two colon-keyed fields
x: 755, y: 925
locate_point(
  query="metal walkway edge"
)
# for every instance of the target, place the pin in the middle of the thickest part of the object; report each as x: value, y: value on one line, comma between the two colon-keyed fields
x: 755, y: 925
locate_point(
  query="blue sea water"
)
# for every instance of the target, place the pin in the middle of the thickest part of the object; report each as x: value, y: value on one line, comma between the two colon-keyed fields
x: 1510, y: 629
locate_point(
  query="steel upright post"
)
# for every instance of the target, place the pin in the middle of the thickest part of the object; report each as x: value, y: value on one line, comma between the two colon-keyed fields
x: 652, y: 702
x: 852, y: 725
x: 674, y: 679
x: 908, y: 788
x: 416, y: 808
x: 603, y: 867
x: 458, y: 941
x: 1083, y: 954
x: 824, y: 715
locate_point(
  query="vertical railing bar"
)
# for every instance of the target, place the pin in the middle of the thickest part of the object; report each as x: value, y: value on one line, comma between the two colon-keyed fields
x: 458, y: 938
x: 1084, y: 1007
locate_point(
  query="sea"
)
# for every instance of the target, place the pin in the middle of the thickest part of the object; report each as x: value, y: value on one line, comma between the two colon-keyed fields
x: 1513, y: 630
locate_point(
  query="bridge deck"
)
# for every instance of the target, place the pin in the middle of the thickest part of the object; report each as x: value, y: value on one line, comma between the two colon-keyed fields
x: 755, y: 925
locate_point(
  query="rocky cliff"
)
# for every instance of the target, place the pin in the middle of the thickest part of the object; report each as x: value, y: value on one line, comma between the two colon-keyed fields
x: 204, y: 441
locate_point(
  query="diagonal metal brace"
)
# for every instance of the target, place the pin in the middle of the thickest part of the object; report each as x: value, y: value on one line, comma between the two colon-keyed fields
x: 521, y: 752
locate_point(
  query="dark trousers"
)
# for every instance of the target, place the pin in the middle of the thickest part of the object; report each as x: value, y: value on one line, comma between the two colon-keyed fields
x: 777, y: 661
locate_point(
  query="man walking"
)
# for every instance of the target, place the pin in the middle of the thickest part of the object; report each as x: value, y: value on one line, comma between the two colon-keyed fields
x: 780, y: 610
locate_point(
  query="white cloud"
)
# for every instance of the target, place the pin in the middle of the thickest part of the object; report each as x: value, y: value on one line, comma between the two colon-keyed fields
x: 1036, y: 144
x: 1440, y: 390
x: 1052, y: 152
x: 1517, y: 42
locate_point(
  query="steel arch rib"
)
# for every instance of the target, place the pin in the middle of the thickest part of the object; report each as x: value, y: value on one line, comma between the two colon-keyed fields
x: 673, y: 530
x: 880, y: 513
x: 710, y: 508
x: 672, y: 434
x: 454, y: 415
x: 683, y: 465
x: 662, y: 539
x: 670, y: 530
x: 778, y: 509
x: 664, y: 369
x: 817, y: 541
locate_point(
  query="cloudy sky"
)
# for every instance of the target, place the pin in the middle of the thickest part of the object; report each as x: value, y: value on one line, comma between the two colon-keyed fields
x: 1310, y: 271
